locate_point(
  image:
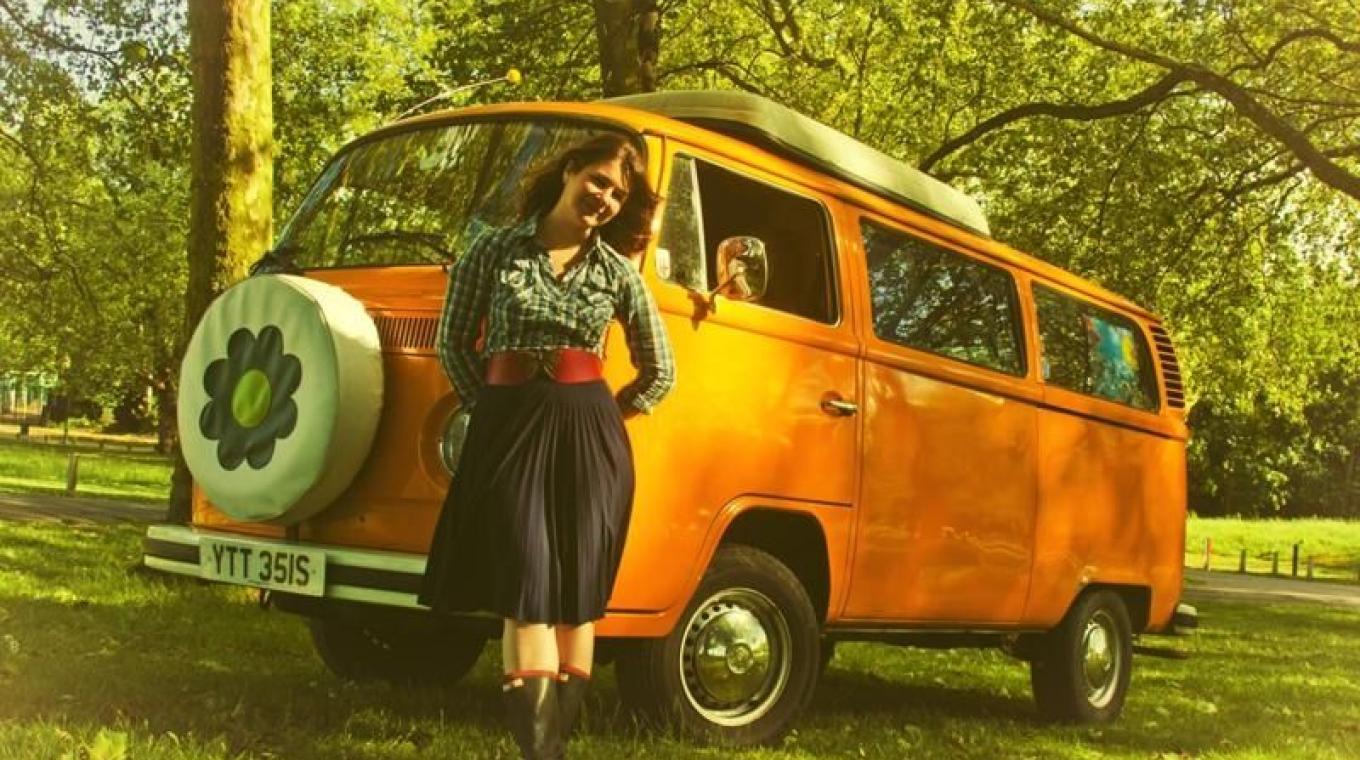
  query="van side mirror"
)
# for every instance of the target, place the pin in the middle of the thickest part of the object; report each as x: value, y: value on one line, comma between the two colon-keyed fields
x: 743, y: 269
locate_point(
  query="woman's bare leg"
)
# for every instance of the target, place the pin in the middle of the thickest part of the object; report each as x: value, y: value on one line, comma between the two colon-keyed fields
x: 576, y: 646
x: 528, y: 646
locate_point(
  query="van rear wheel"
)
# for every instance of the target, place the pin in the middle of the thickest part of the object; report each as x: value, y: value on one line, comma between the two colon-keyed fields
x: 743, y: 660
x: 423, y: 657
x: 1081, y: 669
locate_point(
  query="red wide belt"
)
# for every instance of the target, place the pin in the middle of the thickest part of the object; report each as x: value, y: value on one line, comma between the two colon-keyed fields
x: 564, y: 365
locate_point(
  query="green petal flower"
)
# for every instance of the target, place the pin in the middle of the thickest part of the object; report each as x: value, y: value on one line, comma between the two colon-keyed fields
x: 250, y: 395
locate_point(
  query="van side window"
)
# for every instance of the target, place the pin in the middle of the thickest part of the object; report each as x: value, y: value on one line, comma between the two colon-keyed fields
x: 1090, y: 350
x: 680, y: 246
x: 933, y: 299
x: 795, y: 231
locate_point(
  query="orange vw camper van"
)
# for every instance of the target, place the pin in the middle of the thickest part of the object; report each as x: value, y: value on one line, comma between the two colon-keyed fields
x: 886, y: 425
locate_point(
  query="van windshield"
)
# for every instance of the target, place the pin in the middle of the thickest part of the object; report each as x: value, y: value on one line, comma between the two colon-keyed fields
x: 416, y: 197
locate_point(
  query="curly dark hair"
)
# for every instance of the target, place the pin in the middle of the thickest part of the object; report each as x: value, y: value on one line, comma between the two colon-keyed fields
x: 630, y: 229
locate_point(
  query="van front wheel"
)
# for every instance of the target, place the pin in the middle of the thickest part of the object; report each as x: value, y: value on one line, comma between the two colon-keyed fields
x: 418, y: 657
x: 741, y: 663
x: 1081, y: 669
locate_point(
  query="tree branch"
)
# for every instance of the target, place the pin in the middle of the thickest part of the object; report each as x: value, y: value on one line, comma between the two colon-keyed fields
x: 1264, y: 60
x: 1300, y: 101
x: 24, y: 149
x: 1154, y: 93
x: 1242, y: 101
x: 726, y: 69
x: 792, y: 46
x: 47, y: 39
x: 1243, y: 188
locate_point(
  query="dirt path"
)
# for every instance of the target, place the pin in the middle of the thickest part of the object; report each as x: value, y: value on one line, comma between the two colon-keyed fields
x: 78, y: 509
x: 1205, y: 585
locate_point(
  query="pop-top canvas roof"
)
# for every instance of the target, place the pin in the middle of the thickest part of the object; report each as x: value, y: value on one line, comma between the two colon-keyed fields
x: 760, y: 121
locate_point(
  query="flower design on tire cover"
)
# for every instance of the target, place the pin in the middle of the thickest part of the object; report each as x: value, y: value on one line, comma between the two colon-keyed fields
x: 251, y: 402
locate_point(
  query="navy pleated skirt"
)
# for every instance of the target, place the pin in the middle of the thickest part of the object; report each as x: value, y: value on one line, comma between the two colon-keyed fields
x: 534, y: 522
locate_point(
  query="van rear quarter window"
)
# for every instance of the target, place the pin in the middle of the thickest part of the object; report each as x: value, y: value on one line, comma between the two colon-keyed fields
x: 1090, y: 350
x: 930, y: 298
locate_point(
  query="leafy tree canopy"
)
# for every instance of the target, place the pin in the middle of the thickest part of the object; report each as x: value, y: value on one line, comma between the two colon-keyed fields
x: 1197, y: 157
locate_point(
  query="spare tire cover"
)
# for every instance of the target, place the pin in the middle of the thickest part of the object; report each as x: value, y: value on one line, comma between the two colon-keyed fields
x: 280, y: 394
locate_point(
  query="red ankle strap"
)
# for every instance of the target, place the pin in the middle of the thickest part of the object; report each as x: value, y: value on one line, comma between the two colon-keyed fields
x: 521, y: 674
x: 574, y: 672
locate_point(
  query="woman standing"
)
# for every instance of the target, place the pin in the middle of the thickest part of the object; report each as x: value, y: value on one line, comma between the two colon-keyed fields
x: 534, y: 524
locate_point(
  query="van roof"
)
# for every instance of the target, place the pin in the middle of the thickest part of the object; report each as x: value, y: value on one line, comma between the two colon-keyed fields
x: 782, y: 130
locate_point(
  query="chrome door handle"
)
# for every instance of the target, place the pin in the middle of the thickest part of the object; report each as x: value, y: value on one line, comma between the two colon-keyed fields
x: 839, y: 407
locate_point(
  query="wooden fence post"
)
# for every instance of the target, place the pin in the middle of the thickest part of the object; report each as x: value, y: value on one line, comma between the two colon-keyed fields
x: 1208, y: 552
x: 72, y: 473
x: 1310, y: 567
x: 1242, y: 562
x: 1275, y: 562
x: 1294, y: 562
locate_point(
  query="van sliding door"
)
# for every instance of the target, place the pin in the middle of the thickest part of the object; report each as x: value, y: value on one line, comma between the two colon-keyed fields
x: 946, y: 512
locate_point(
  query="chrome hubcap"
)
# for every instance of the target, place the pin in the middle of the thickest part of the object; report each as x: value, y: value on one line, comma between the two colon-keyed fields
x: 735, y: 657
x: 1102, y: 658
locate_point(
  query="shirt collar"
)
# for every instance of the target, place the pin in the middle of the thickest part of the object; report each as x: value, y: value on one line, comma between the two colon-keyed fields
x: 528, y: 229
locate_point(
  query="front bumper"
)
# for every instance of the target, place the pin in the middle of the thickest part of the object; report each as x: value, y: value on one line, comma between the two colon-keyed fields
x: 371, y: 576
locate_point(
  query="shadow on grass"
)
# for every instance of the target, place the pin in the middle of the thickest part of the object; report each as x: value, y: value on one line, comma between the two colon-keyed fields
x: 1277, y: 621
x: 843, y: 692
x: 190, y: 661
x: 96, y: 644
x: 50, y: 559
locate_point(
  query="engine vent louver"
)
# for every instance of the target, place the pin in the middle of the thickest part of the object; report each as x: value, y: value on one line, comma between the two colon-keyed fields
x: 406, y: 334
x: 1171, y: 369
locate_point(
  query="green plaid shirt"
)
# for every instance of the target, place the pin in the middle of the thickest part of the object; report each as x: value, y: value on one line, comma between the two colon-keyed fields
x: 506, y: 277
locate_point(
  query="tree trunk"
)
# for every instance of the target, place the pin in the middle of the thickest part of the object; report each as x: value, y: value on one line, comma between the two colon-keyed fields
x: 629, y: 32
x: 164, y: 389
x: 231, y: 204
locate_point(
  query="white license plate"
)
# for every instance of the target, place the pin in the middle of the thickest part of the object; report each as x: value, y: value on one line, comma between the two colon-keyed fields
x: 283, y: 568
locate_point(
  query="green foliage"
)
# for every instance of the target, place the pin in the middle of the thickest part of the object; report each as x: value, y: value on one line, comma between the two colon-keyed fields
x: 28, y: 468
x: 1334, y: 544
x: 92, y: 176
x: 1182, y: 205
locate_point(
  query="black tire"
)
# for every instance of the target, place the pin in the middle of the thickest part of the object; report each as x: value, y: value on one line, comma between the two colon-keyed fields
x: 427, y: 656
x: 1081, y: 669
x: 748, y: 603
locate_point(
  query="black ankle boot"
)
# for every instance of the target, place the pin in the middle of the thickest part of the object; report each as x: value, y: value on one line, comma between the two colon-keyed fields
x: 531, y: 710
x: 571, y: 692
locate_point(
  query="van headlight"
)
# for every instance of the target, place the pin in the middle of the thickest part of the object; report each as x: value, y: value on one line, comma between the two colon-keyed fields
x: 451, y: 440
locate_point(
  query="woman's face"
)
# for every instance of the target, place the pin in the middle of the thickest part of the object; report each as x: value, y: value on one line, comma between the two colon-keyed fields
x: 594, y: 193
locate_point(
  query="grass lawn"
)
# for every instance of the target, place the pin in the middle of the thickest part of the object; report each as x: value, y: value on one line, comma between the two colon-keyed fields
x: 38, y: 468
x: 1334, y: 543
x: 98, y: 662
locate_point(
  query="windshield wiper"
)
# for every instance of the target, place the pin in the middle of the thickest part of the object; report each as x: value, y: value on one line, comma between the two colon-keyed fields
x: 277, y: 260
x: 429, y: 241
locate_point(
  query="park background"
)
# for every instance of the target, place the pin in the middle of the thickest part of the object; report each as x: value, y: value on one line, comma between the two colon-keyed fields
x: 1197, y: 156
